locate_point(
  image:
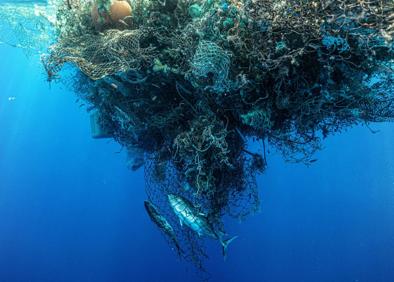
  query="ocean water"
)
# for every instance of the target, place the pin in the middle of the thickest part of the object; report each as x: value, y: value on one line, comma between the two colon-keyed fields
x: 70, y: 210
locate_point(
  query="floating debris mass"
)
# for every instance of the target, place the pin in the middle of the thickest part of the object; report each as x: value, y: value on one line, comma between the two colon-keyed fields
x: 183, y: 85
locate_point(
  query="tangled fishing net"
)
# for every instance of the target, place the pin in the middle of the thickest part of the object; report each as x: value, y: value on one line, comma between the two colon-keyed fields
x: 183, y: 85
x: 209, y: 65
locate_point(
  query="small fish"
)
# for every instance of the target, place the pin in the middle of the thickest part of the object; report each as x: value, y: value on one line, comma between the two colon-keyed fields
x: 189, y: 215
x: 162, y: 223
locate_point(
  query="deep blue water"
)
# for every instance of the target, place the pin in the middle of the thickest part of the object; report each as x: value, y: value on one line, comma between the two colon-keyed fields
x: 70, y: 210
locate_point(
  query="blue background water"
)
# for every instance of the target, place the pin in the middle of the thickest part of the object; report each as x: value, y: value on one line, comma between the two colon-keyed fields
x: 71, y: 211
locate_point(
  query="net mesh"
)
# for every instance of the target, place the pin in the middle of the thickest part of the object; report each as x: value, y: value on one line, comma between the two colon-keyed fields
x: 162, y: 179
x: 210, y: 67
x: 103, y: 54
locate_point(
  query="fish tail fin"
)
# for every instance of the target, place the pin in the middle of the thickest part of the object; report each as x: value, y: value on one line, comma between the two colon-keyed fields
x: 225, y: 244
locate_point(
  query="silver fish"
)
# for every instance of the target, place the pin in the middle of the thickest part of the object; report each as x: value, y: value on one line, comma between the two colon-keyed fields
x: 163, y: 224
x: 189, y: 215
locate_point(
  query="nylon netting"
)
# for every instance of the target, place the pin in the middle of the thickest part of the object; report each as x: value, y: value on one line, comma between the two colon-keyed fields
x: 210, y: 66
x: 162, y: 179
x: 239, y: 200
x: 103, y: 54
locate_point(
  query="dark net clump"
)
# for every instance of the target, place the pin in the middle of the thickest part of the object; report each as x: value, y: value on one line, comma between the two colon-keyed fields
x: 183, y: 85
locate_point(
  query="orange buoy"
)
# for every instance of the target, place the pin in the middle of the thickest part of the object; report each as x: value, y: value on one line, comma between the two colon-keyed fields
x: 118, y: 10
